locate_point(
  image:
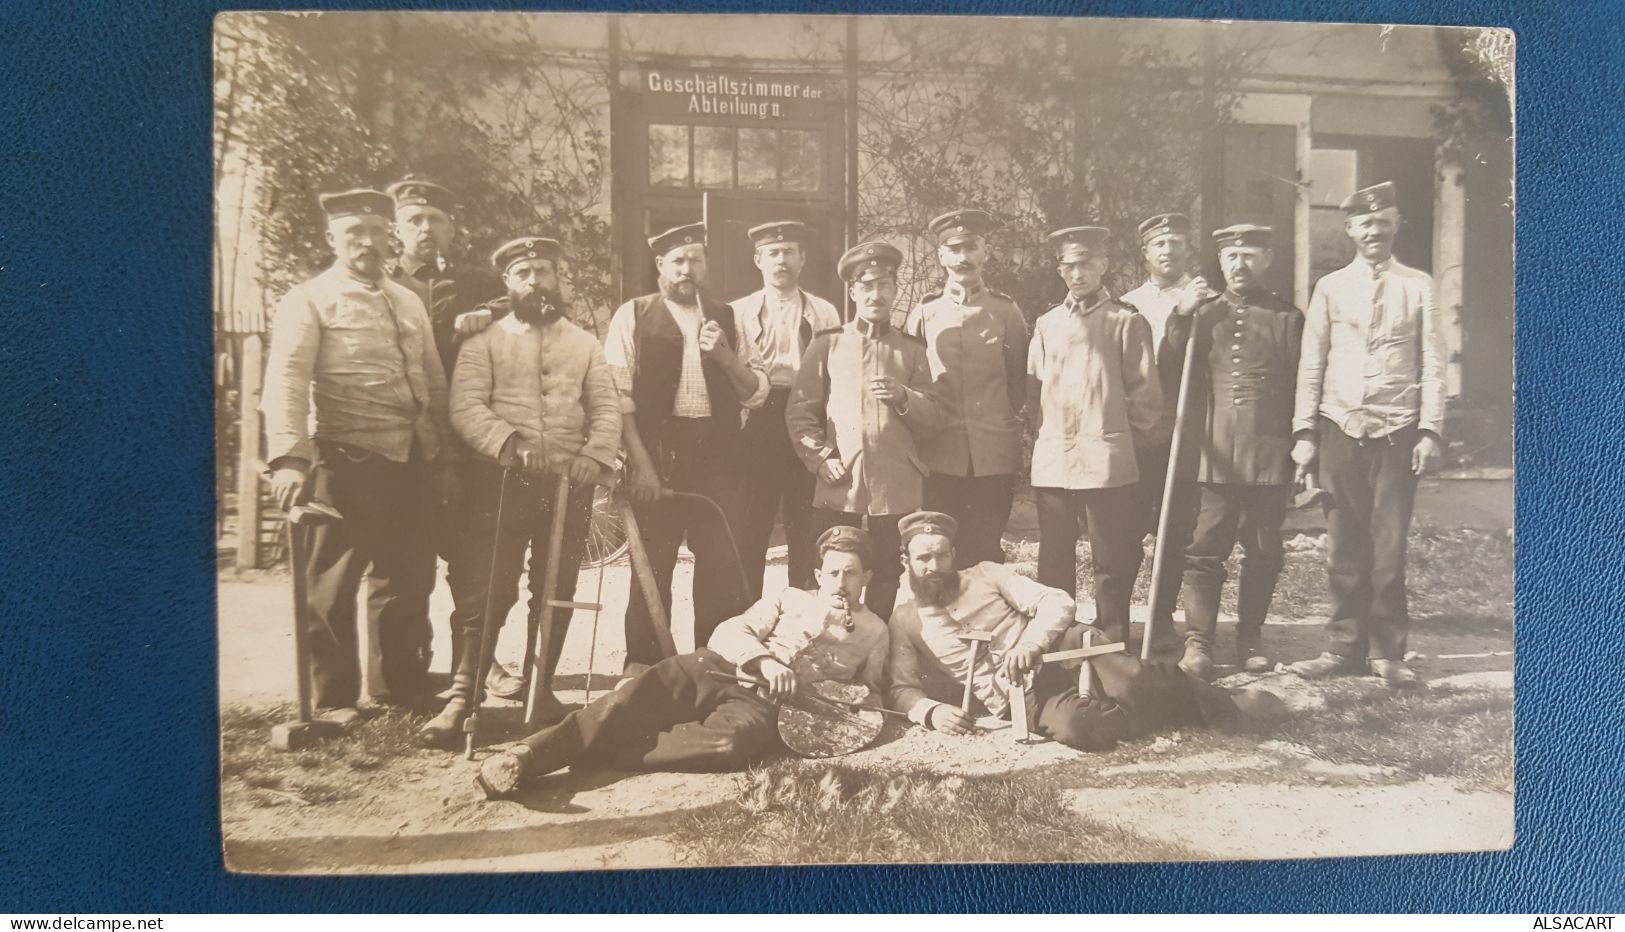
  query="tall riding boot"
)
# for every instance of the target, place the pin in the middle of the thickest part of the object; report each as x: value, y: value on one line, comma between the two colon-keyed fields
x: 456, y: 661
x: 1201, y: 618
x: 446, y: 729
x: 549, y: 710
x: 1254, y: 593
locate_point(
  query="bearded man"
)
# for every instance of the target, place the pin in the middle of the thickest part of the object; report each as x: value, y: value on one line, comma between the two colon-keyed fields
x: 532, y: 398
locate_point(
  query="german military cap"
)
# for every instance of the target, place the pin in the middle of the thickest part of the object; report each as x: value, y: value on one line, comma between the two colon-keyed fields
x: 1075, y: 244
x: 1243, y: 234
x: 357, y: 202
x: 926, y: 522
x: 688, y: 235
x: 525, y: 247
x: 1370, y: 200
x: 779, y: 231
x: 956, y: 226
x: 1164, y: 224
x: 850, y: 540
x: 415, y: 192
x: 868, y: 261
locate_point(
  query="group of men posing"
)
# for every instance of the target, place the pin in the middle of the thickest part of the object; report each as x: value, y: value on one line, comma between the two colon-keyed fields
x: 886, y: 447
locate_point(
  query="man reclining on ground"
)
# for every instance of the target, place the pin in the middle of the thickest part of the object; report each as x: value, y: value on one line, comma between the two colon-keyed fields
x: 679, y: 715
x: 929, y: 659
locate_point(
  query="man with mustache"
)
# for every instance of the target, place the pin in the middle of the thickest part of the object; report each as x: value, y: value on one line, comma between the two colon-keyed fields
x: 425, y: 226
x: 1097, y: 402
x: 929, y: 660
x: 1165, y: 243
x: 976, y: 339
x: 685, y: 373
x: 358, y: 348
x: 1236, y: 462
x: 689, y: 712
x: 779, y: 321
x: 862, y: 396
x: 531, y: 395
x: 1369, y: 415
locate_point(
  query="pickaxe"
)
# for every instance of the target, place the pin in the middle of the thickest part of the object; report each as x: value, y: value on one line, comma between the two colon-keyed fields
x: 307, y: 729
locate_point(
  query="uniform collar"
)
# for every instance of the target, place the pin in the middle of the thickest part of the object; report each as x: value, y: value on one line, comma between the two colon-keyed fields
x: 1240, y: 300
x: 872, y: 331
x: 1089, y: 303
x: 957, y: 292
x: 1374, y: 269
x: 343, y: 276
x: 420, y: 270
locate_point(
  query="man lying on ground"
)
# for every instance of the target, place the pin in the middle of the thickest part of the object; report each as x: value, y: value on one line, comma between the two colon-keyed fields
x: 929, y: 658
x: 680, y: 715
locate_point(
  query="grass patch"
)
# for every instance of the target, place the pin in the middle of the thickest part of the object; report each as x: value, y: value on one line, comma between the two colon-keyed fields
x: 279, y: 778
x: 1461, y: 734
x: 795, y: 812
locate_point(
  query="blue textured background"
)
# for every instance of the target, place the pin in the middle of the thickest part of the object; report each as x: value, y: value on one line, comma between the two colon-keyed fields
x: 107, y: 669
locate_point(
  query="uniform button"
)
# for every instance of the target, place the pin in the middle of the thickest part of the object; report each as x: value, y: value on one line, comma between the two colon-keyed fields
x: 1235, y: 374
x: 1235, y: 346
x: 1235, y: 359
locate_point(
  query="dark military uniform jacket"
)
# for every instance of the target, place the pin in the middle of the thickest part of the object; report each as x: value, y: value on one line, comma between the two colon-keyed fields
x: 1239, y: 425
x: 977, y: 344
x: 447, y: 292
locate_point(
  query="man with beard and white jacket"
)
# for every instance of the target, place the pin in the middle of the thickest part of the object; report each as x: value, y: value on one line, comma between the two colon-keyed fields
x: 929, y: 660
x: 532, y: 395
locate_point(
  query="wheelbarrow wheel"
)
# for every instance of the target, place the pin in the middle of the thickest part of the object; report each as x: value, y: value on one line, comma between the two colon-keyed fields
x: 606, y: 532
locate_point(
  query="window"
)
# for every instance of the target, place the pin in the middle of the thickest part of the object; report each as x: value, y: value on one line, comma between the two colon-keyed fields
x: 725, y: 157
x: 668, y: 156
x: 713, y: 157
x: 803, y: 160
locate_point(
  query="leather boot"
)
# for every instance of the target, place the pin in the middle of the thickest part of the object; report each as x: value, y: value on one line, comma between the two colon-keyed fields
x: 446, y: 729
x: 1250, y: 655
x: 503, y: 683
x: 1395, y: 673
x: 1198, y: 662
x: 1327, y: 664
x: 456, y: 661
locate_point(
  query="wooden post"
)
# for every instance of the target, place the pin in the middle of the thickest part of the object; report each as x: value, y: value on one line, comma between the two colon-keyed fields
x: 1449, y: 258
x: 248, y: 453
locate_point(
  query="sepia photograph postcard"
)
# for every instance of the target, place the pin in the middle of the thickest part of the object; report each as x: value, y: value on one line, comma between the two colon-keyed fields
x: 665, y: 440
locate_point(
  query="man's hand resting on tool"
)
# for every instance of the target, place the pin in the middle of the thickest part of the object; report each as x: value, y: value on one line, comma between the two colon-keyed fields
x: 288, y: 482
x: 519, y: 453
x: 781, y: 680
x: 950, y: 720
x: 1018, y: 661
x: 581, y: 469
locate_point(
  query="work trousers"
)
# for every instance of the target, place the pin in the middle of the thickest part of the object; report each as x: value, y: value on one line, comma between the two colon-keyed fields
x: 720, y: 591
x: 491, y: 553
x: 1113, y: 522
x: 981, y: 505
x: 881, y: 594
x: 774, y: 479
x: 1251, y: 515
x: 386, y: 534
x: 673, y: 716
x: 1181, y: 524
x: 1372, y: 492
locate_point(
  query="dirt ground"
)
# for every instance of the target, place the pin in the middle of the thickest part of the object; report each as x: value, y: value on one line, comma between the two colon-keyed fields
x: 1355, y: 769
